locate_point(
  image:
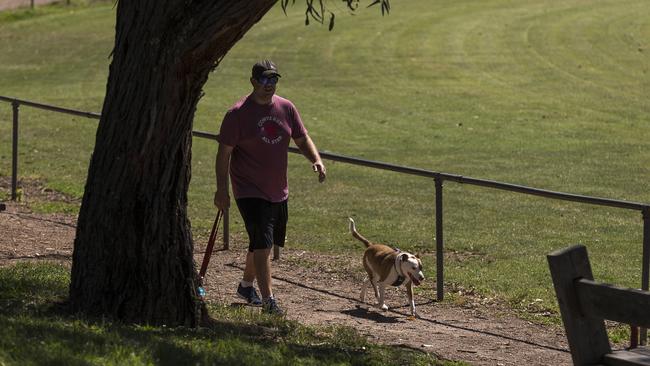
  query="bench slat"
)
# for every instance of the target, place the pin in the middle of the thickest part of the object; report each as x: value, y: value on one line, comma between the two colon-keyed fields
x: 633, y: 357
x: 610, y: 302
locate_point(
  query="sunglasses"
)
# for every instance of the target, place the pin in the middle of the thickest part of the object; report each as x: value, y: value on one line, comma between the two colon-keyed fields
x: 267, y: 81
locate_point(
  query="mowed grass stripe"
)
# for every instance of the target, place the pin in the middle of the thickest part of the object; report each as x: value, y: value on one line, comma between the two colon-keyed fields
x: 62, y: 56
x: 591, y: 72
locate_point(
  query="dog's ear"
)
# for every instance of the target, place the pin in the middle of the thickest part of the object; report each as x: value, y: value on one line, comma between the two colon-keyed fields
x: 404, y: 257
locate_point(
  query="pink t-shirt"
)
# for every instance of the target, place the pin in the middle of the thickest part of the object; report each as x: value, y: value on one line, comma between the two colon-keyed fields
x: 260, y: 136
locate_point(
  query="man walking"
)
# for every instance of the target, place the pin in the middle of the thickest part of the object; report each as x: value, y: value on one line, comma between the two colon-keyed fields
x: 253, y: 147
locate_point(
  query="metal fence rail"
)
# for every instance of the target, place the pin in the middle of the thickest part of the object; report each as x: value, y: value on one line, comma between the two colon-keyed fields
x: 438, y: 178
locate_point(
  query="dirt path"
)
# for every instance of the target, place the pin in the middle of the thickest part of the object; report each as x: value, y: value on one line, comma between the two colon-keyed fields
x: 323, y: 290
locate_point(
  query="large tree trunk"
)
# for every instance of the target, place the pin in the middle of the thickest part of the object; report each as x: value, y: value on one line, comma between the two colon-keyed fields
x: 132, y: 257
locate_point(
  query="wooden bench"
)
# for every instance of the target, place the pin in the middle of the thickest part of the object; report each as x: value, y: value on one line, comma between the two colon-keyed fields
x: 585, y: 304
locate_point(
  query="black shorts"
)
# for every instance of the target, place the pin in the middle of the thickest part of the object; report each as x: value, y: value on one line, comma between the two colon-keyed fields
x: 266, y: 222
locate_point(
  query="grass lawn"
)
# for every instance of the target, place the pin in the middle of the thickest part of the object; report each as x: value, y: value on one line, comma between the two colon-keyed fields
x: 549, y: 94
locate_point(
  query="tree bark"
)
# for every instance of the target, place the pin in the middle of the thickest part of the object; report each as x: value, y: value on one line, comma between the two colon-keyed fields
x: 133, y: 251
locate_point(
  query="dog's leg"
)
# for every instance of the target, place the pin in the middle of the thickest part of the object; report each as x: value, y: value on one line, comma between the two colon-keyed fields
x: 369, y: 280
x: 374, y: 288
x: 364, y: 289
x: 382, y: 289
x: 409, y: 293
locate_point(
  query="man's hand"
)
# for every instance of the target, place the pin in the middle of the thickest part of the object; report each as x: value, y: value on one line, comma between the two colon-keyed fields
x: 320, y: 168
x: 308, y: 149
x: 221, y: 200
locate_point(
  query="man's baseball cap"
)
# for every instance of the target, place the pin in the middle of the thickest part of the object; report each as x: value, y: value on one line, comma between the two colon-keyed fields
x: 265, y: 68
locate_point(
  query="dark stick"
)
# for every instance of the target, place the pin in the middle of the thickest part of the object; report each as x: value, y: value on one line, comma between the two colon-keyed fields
x: 208, y: 249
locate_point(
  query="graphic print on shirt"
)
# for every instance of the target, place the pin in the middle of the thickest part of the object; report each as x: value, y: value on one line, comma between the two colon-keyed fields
x: 270, y: 130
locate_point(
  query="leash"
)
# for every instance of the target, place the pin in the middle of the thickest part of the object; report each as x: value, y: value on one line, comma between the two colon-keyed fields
x: 208, y: 249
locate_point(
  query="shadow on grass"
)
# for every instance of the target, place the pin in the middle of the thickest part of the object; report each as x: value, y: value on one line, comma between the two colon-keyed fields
x: 36, y: 328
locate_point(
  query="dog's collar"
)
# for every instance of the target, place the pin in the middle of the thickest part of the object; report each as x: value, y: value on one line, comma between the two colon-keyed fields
x: 400, y: 277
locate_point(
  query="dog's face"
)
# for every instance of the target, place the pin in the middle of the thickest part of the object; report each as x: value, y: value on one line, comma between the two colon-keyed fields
x: 412, y: 267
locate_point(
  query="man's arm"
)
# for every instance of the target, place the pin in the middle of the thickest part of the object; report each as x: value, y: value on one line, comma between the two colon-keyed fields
x: 222, y: 165
x: 308, y: 149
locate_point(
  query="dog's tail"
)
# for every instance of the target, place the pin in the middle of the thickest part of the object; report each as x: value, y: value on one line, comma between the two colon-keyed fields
x: 353, y: 230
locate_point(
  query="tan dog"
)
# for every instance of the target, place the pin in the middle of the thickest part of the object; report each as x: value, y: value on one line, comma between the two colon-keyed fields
x: 388, y: 266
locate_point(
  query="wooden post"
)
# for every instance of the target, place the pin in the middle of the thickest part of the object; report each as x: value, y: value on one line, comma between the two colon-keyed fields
x: 586, y: 336
x: 634, y: 336
x: 645, y: 271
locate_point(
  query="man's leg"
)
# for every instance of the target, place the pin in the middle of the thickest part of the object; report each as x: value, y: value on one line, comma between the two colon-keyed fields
x: 246, y: 289
x: 263, y: 267
x: 262, y: 260
x: 249, y: 269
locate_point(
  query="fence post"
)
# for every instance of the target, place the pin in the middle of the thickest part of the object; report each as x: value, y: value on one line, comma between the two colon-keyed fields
x: 226, y: 221
x: 439, y: 242
x: 645, y: 272
x: 14, y: 151
x: 226, y: 229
